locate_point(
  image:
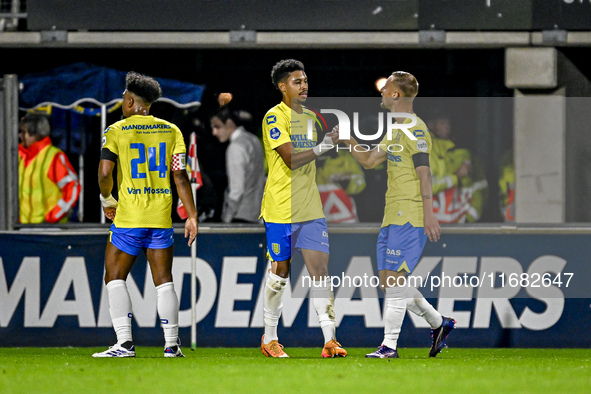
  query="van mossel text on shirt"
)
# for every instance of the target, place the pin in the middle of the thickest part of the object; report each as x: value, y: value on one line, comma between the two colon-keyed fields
x: 148, y: 190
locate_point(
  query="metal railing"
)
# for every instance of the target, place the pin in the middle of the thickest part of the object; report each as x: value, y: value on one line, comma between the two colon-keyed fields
x: 11, y: 11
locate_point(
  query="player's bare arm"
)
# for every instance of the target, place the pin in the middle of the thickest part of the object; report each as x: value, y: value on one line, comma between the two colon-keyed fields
x: 431, y: 224
x: 295, y: 160
x: 105, y: 176
x: 367, y: 158
x: 183, y: 187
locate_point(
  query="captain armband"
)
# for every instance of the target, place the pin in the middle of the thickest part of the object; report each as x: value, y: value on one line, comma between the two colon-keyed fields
x: 420, y: 159
x: 106, y: 154
x: 179, y: 162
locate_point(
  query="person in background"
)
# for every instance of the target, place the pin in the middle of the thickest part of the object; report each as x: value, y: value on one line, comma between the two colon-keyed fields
x: 339, y: 177
x: 460, y: 189
x: 507, y: 186
x: 244, y: 166
x: 48, y: 185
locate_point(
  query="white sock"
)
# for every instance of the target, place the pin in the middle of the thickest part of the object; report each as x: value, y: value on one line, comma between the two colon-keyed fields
x: 323, y: 299
x: 417, y: 304
x: 120, y: 309
x: 394, y: 314
x: 272, y: 305
x: 168, y: 310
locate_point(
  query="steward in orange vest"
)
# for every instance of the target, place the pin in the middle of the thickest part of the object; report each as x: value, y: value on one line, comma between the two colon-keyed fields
x: 48, y: 185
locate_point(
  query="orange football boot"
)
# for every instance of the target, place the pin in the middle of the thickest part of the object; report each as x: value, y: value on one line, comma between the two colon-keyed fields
x: 333, y: 349
x: 272, y: 349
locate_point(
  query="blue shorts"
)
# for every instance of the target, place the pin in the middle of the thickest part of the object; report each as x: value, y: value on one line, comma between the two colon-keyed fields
x: 282, y: 238
x: 400, y: 247
x: 133, y: 240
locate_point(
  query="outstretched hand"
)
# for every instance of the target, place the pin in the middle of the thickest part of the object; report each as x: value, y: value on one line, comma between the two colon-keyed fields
x: 191, y: 230
x: 334, y: 135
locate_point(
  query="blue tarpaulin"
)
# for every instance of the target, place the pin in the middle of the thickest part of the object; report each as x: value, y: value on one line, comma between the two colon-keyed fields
x: 88, y: 89
x: 68, y: 86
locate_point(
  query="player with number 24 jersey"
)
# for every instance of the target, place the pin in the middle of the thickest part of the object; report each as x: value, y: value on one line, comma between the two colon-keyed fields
x: 144, y: 191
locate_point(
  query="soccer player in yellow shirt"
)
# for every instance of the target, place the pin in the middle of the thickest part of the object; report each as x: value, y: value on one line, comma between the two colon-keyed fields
x: 147, y: 150
x: 292, y: 209
x: 408, y: 216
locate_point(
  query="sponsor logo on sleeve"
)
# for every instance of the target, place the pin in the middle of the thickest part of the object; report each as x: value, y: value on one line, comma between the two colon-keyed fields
x: 271, y: 119
x: 422, y: 146
x: 275, y: 133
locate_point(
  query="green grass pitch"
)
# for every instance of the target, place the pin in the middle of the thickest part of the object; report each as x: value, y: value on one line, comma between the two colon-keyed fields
x: 238, y: 370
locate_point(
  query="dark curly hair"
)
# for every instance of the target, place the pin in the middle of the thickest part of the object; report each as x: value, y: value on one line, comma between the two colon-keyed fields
x: 144, y: 86
x: 283, y: 68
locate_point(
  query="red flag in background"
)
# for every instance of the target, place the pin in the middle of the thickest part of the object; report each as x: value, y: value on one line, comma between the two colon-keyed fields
x: 194, y: 173
x: 194, y: 163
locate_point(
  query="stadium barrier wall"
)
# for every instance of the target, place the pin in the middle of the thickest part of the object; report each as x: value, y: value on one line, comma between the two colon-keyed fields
x: 52, y: 291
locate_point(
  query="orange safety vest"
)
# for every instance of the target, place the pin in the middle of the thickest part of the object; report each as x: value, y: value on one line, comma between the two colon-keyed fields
x: 48, y: 185
x: 509, y: 209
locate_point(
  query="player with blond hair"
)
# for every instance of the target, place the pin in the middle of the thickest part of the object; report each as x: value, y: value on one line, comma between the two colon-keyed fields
x: 408, y: 216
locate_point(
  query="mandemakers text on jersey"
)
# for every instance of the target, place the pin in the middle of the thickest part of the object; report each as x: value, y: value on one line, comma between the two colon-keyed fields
x: 146, y: 126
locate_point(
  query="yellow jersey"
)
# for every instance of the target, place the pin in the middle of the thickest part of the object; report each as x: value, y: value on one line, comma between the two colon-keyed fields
x: 144, y: 146
x: 290, y: 196
x: 404, y: 202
